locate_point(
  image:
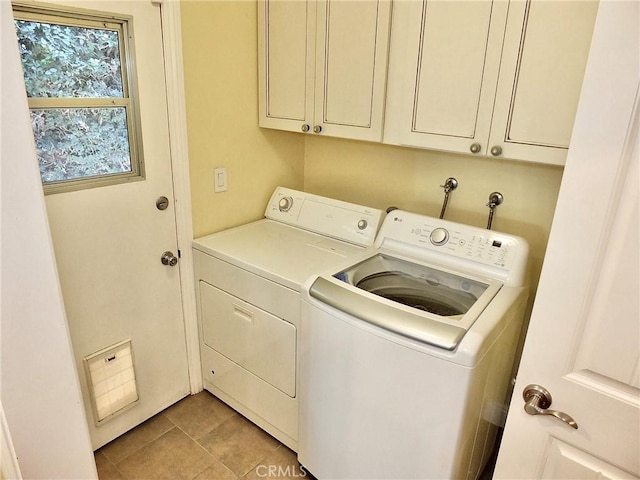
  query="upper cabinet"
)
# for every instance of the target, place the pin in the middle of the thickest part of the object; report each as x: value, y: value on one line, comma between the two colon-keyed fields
x: 499, y: 78
x: 323, y: 66
x: 543, y: 63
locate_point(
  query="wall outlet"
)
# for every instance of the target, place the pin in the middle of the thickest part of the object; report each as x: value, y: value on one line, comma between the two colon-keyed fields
x: 220, y: 180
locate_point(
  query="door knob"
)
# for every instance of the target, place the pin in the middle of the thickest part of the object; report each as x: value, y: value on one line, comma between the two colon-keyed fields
x: 169, y: 258
x: 496, y: 150
x: 162, y: 203
x: 537, y: 402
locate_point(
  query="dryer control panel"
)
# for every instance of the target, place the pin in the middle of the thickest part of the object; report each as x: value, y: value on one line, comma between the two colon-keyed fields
x: 486, y: 252
x: 334, y: 218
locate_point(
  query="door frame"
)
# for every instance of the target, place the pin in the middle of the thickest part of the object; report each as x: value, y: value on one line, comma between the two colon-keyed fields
x: 179, y: 150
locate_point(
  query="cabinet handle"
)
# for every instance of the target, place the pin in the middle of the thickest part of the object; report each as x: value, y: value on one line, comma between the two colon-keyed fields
x: 317, y: 129
x: 305, y: 127
x: 496, y: 150
x: 475, y: 148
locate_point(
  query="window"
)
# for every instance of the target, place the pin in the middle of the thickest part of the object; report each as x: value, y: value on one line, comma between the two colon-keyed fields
x: 81, y: 91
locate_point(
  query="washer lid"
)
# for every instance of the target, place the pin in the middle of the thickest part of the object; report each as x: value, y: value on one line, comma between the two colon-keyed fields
x: 418, y: 301
x: 427, y: 295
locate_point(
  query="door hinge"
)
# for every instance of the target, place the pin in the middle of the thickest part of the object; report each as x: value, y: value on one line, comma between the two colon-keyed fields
x: 179, y: 256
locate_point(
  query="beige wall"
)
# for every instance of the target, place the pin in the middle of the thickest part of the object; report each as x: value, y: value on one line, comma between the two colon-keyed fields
x: 381, y: 176
x: 221, y: 83
x: 220, y: 49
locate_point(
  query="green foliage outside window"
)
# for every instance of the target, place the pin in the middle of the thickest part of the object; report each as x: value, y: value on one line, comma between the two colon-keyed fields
x: 64, y: 61
x: 78, y: 143
x: 78, y: 97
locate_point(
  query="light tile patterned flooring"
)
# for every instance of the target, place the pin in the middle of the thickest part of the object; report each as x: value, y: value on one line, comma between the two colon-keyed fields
x: 198, y: 438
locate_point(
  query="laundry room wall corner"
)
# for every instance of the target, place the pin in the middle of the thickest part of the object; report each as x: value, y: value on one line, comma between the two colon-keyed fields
x: 219, y: 41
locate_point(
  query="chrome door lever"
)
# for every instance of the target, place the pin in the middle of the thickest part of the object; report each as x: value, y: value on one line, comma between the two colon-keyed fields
x: 537, y: 402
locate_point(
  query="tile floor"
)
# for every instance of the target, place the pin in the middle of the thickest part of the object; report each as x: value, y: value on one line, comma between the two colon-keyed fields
x: 198, y: 438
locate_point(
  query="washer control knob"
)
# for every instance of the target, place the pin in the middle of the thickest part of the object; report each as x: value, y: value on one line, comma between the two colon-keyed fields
x: 362, y: 224
x: 439, y: 236
x: 285, y: 204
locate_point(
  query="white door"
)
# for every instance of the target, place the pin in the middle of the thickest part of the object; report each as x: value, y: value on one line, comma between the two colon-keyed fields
x: 583, y: 340
x: 108, y: 243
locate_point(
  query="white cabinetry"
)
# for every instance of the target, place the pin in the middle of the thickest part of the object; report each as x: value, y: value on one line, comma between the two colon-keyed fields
x: 323, y: 66
x: 498, y: 78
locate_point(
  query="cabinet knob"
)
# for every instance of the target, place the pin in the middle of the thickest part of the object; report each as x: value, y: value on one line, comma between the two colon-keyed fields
x: 475, y: 147
x: 496, y: 150
x: 317, y: 129
x: 305, y: 127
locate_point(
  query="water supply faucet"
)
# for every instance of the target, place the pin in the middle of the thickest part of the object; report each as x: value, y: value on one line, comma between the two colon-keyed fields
x: 495, y: 199
x: 450, y: 185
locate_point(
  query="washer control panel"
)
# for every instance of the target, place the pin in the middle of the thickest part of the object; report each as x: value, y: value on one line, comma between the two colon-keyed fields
x: 439, y: 236
x: 453, y: 242
x: 334, y: 218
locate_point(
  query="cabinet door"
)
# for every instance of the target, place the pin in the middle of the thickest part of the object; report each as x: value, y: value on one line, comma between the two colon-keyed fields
x: 286, y: 46
x: 543, y: 62
x: 351, y: 67
x: 443, y: 71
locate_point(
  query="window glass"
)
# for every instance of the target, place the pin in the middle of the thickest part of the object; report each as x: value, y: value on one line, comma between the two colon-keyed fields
x: 80, y: 89
x: 66, y: 61
x: 81, y: 142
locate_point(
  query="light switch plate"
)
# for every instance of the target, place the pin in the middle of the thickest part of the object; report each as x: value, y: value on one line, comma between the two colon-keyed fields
x: 220, y: 180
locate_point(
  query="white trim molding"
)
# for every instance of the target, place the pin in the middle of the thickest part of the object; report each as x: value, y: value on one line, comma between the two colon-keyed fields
x: 9, y: 466
x: 177, y: 113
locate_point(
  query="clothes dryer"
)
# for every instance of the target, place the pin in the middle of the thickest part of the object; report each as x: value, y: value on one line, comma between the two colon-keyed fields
x: 248, y: 281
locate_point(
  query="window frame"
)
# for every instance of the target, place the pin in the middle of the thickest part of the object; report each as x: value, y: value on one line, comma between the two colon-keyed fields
x: 123, y: 25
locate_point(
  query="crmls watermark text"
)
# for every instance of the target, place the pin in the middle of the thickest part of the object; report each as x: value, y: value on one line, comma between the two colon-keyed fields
x: 290, y: 471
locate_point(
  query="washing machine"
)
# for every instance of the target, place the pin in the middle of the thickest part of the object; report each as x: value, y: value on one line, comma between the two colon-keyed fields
x: 406, y: 352
x: 248, y: 282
